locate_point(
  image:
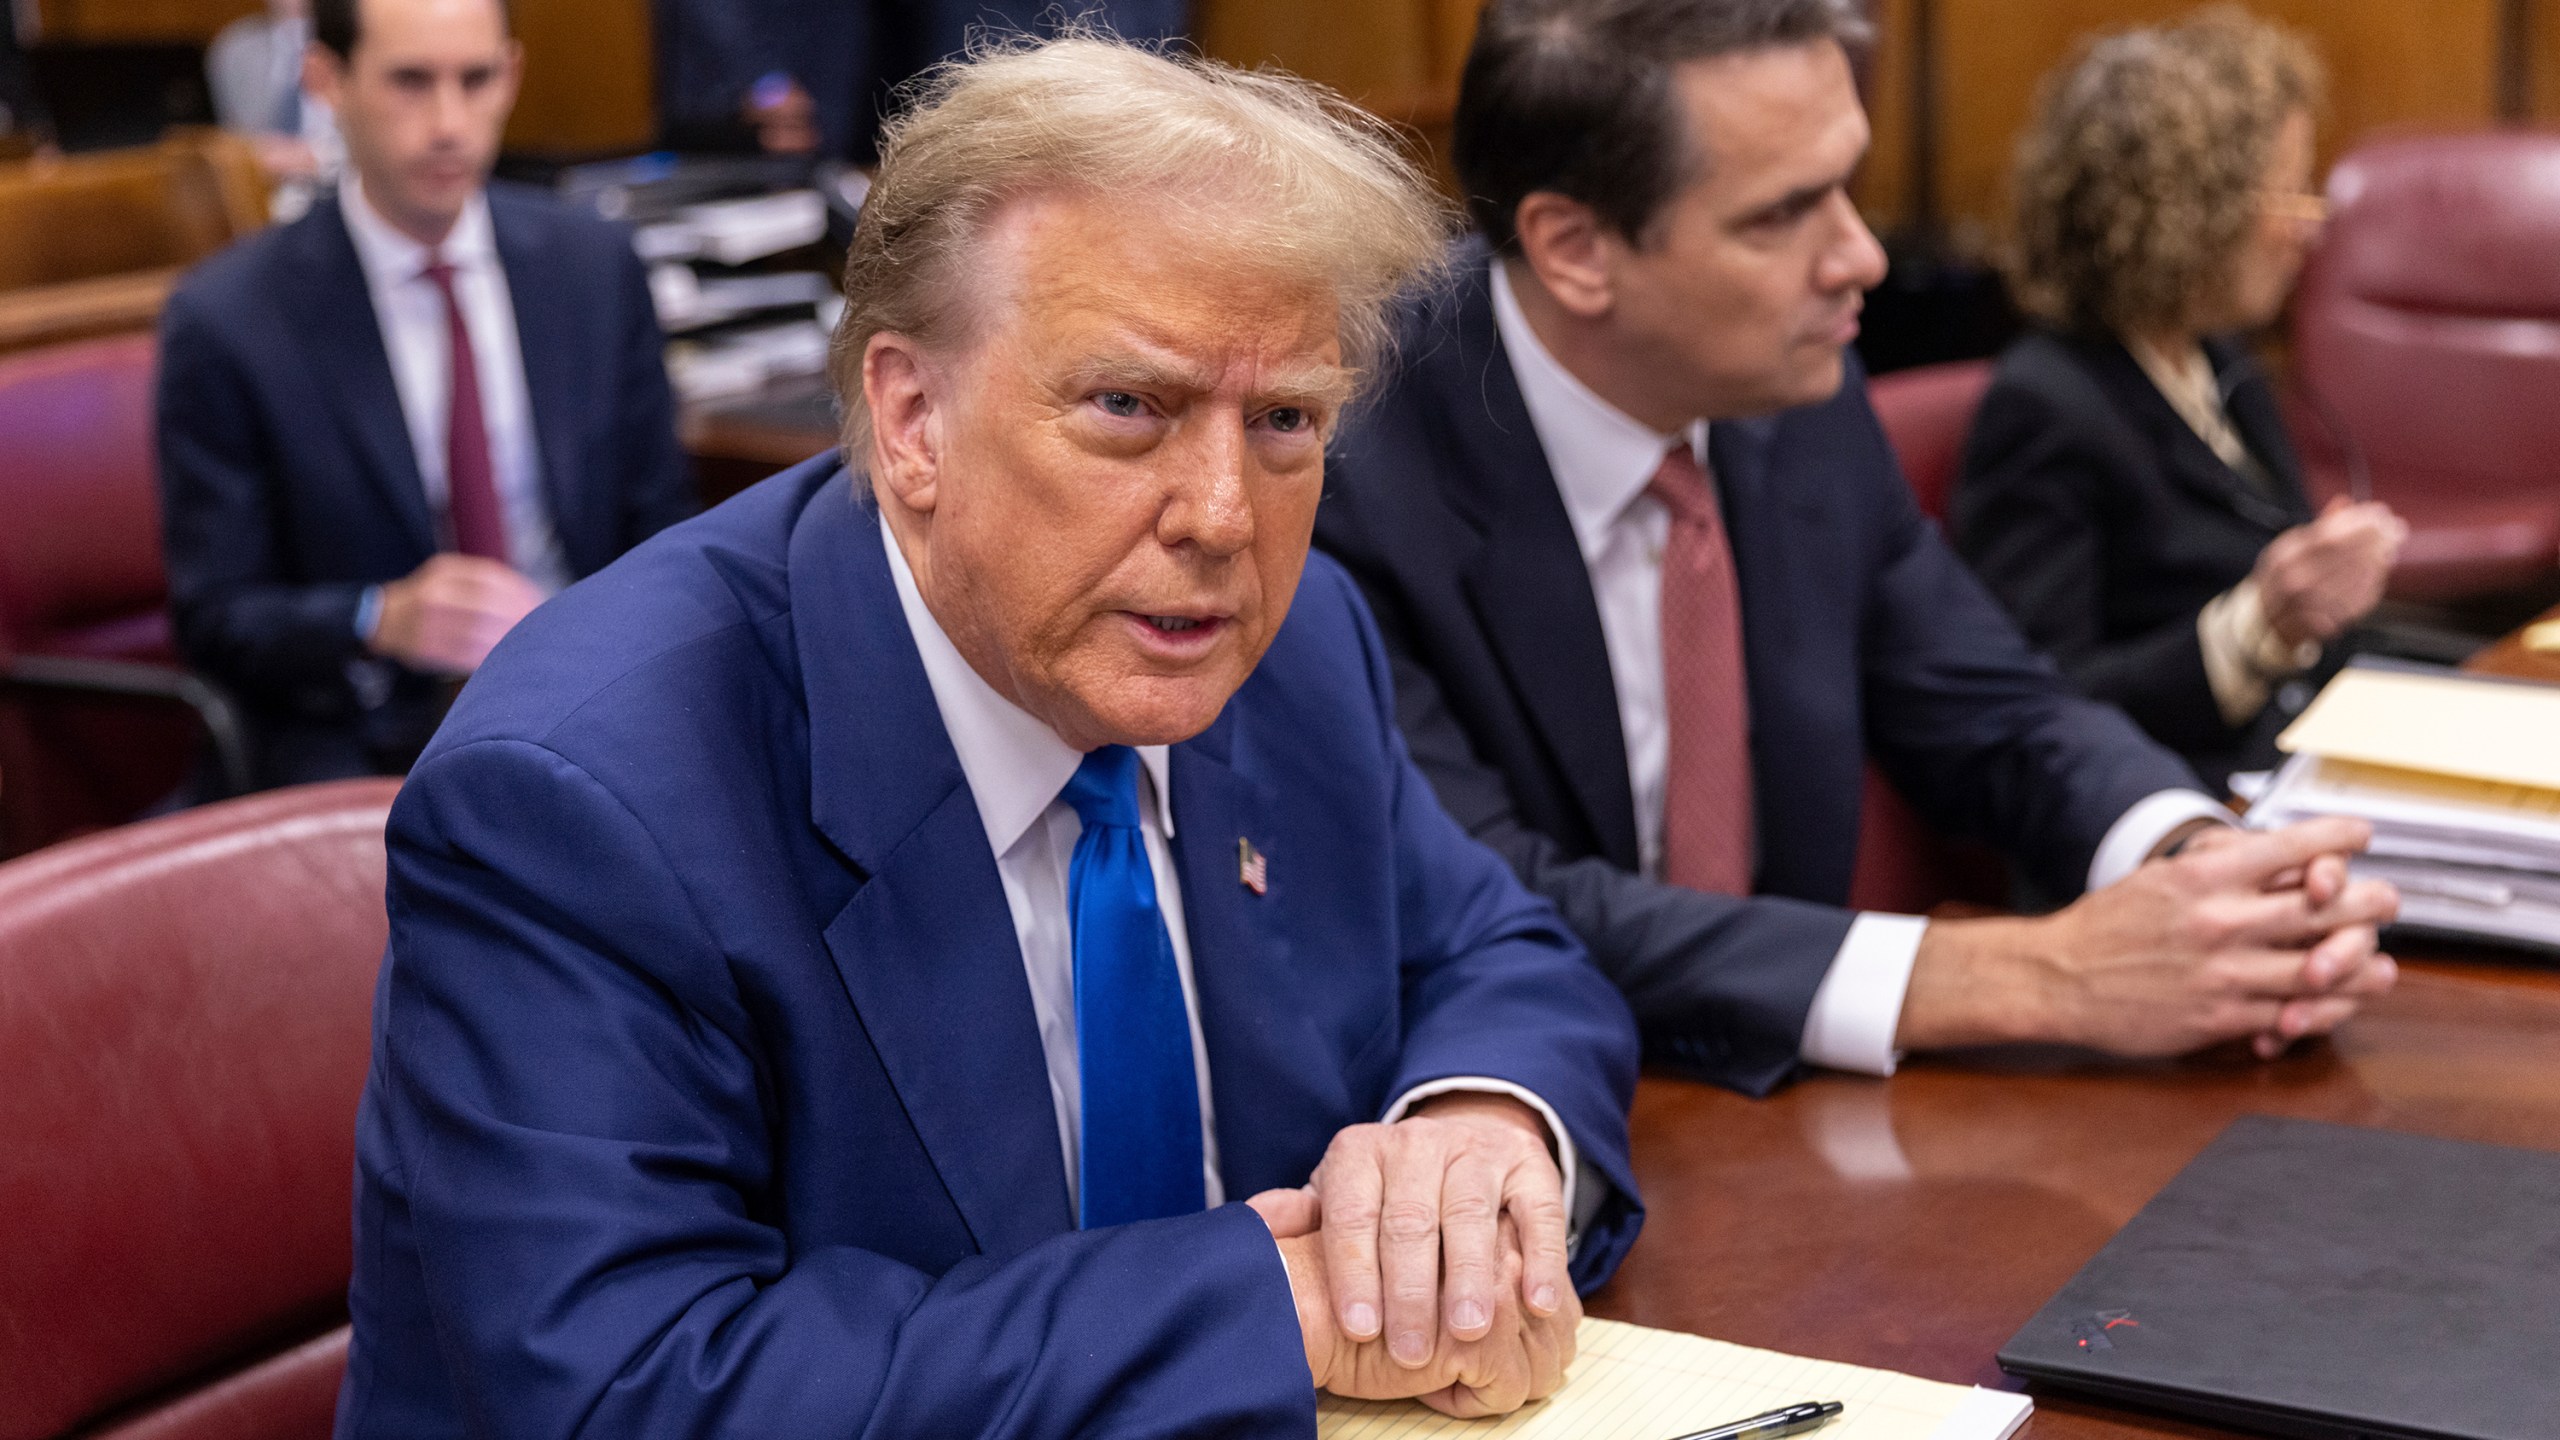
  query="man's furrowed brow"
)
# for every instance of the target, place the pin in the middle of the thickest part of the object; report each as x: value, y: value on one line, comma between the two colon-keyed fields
x: 1324, y: 386
x: 1155, y: 374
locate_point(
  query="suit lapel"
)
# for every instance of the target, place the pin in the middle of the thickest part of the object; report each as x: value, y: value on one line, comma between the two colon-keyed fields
x: 2191, y: 463
x: 333, y: 313
x: 926, y: 946
x: 1527, y: 581
x: 547, y: 334
x: 1250, y: 1017
x: 2253, y: 413
x: 1786, y: 753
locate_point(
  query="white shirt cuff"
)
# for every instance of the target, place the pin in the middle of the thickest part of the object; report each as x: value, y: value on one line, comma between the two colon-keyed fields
x: 1858, y: 1009
x: 2140, y: 830
x: 1557, y: 1135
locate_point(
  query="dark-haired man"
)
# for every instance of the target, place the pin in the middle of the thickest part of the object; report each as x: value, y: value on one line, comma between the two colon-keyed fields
x: 391, y: 428
x: 1656, y: 592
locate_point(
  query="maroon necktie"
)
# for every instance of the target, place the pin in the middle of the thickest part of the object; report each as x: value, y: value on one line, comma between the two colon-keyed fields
x: 1706, y: 809
x: 471, y: 492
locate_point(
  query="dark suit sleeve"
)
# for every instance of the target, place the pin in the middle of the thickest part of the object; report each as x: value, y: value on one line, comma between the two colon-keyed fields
x: 577, y: 1098
x: 273, y: 642
x: 1720, y: 986
x: 1975, y: 727
x: 1494, y: 985
x: 658, y: 489
x: 2030, y: 518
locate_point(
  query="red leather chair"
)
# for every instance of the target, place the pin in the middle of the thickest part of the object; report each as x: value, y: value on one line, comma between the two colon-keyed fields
x: 1903, y: 866
x: 1927, y: 413
x: 97, y: 719
x: 184, y: 1030
x: 2427, y: 340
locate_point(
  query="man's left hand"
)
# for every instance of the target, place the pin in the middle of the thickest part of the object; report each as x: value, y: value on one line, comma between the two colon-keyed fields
x: 1412, y: 1218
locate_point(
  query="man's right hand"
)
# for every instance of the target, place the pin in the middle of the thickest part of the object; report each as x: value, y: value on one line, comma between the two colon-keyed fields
x: 2251, y: 937
x: 1521, y: 1357
x: 450, y: 613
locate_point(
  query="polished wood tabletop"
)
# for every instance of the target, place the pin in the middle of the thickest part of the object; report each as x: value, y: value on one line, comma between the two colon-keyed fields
x: 2513, y: 658
x: 1916, y: 1223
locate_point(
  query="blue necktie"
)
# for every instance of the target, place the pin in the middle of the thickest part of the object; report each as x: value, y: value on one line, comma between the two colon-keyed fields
x: 1140, y: 1157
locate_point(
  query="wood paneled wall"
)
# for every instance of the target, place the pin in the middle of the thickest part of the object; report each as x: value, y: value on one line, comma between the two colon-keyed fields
x: 2395, y: 65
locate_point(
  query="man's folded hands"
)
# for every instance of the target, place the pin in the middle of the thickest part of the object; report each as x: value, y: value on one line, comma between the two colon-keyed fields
x: 1428, y: 1259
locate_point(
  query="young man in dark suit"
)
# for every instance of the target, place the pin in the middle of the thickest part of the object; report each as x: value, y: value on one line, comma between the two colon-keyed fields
x: 1656, y: 594
x: 392, y: 428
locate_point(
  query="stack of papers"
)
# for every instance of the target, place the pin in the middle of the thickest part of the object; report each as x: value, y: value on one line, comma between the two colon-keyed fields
x: 733, y: 232
x: 1631, y: 1383
x: 2459, y: 776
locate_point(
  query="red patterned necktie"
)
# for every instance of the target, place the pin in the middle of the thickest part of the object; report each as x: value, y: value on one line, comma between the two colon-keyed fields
x: 471, y: 491
x: 1706, y: 809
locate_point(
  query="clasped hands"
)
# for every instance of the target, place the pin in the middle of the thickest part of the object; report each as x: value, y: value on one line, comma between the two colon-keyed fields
x: 1427, y: 1259
x: 2262, y: 937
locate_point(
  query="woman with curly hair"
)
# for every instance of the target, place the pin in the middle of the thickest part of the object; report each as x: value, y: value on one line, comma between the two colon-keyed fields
x: 2128, y: 491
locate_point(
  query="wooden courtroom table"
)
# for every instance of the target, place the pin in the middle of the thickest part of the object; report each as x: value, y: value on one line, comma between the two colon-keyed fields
x: 1916, y: 1223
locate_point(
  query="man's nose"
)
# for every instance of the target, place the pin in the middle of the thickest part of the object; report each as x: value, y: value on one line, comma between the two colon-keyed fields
x: 1212, y: 504
x: 1856, y: 259
x: 449, y: 110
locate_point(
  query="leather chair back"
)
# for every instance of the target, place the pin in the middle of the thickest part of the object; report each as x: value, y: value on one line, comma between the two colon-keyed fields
x: 184, y: 1031
x: 2427, y: 337
x: 81, y: 576
x: 1927, y: 414
x: 1903, y: 866
x: 80, y: 566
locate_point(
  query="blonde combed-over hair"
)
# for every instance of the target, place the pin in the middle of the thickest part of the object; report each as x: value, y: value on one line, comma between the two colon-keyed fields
x: 2138, y: 180
x: 1280, y: 173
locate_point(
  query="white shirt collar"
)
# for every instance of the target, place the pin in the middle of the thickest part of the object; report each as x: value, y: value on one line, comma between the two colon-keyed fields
x: 390, y: 256
x: 1015, y: 764
x: 1601, y: 456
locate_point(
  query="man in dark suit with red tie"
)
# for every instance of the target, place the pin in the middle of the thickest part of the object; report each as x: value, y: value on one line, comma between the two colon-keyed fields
x: 1657, y: 595
x: 392, y: 428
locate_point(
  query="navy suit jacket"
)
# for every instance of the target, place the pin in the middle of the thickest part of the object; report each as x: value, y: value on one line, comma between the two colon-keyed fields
x: 289, y: 485
x: 1863, y: 635
x: 706, y: 1092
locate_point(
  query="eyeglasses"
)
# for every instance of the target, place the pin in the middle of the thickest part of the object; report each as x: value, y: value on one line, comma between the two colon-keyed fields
x: 2301, y: 208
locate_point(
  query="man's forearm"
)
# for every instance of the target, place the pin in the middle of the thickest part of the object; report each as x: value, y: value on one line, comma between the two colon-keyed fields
x: 1984, y: 982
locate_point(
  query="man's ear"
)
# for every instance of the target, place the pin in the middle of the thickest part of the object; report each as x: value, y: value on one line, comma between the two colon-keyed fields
x: 1568, y: 248
x: 323, y: 74
x: 900, y: 388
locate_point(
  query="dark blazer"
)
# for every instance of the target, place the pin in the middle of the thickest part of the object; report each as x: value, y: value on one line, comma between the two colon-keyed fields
x: 1863, y: 635
x: 288, y: 482
x: 2104, y: 523
x: 707, y: 1095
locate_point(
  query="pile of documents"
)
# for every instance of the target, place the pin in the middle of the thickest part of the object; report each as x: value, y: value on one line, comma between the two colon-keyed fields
x: 2460, y: 777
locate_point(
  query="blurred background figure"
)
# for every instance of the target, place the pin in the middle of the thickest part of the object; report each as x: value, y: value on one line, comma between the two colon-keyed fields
x: 815, y: 76
x: 23, y: 124
x: 2128, y: 490
x: 389, y: 429
x: 255, y: 70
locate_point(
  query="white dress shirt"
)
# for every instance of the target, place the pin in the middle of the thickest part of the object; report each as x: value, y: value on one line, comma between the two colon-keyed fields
x: 1016, y: 767
x: 418, y: 339
x: 1602, y: 459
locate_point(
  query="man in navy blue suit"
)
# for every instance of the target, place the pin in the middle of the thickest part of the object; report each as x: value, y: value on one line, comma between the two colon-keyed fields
x: 391, y: 428
x: 846, y: 957
x: 1656, y: 594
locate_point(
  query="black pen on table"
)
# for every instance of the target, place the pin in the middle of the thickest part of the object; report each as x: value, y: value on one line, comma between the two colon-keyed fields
x: 1793, y: 1420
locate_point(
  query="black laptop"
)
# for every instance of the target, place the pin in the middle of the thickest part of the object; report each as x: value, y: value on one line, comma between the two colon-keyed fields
x: 2325, y: 1282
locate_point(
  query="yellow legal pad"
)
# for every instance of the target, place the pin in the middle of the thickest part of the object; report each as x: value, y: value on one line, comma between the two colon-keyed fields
x: 1632, y: 1383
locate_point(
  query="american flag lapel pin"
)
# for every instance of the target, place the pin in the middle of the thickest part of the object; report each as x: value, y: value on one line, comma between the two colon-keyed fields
x: 1251, y: 868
